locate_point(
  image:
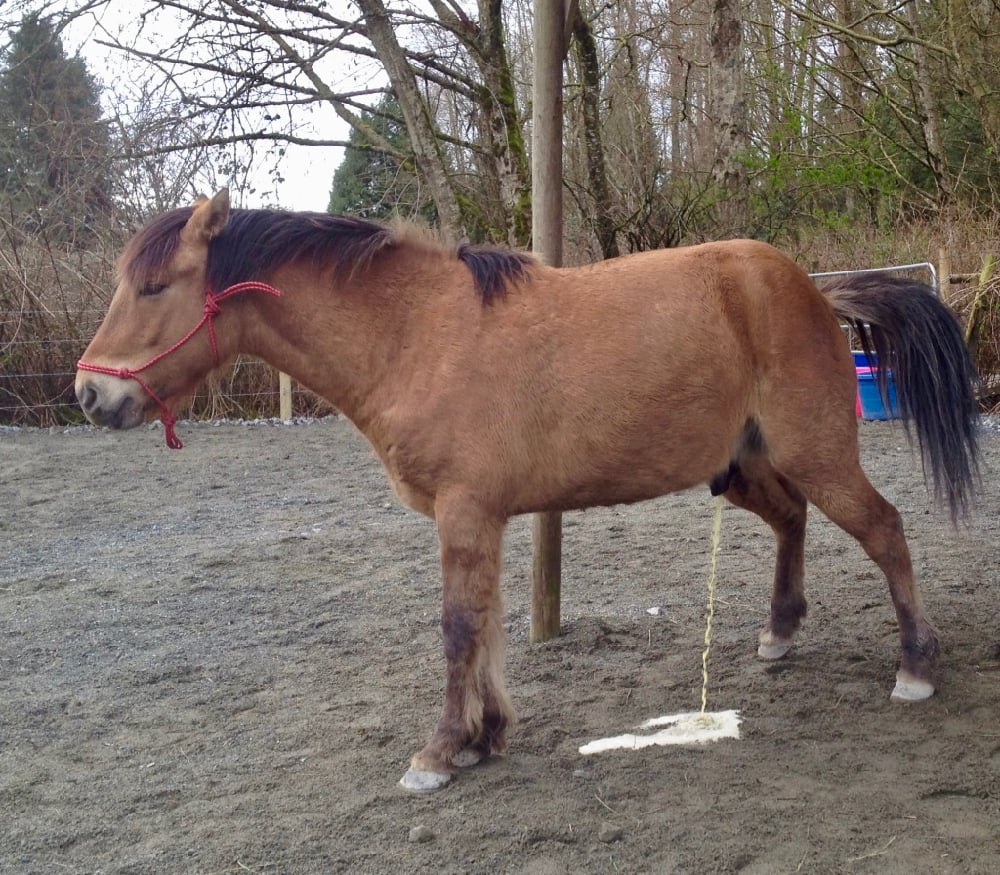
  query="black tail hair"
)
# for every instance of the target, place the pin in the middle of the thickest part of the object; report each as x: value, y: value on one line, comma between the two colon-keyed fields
x: 919, y: 340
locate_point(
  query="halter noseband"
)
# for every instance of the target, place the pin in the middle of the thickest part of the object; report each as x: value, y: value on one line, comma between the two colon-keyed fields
x: 211, y: 310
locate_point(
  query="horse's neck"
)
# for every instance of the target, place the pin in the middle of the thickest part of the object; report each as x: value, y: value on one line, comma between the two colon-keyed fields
x: 344, y: 345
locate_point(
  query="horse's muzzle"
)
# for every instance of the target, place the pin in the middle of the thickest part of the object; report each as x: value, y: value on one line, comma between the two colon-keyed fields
x: 109, y: 401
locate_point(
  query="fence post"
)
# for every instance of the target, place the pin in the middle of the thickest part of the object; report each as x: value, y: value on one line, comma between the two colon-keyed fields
x: 944, y: 273
x: 284, y: 395
x: 977, y: 313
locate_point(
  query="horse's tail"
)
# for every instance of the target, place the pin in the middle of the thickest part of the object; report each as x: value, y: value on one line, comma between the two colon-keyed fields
x: 917, y: 338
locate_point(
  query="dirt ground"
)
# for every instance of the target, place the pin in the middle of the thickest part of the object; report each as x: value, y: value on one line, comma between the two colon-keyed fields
x: 219, y: 660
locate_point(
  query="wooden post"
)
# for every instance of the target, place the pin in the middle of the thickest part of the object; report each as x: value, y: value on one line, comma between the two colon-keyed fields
x: 284, y: 395
x: 547, y: 229
x: 977, y: 314
x: 944, y: 274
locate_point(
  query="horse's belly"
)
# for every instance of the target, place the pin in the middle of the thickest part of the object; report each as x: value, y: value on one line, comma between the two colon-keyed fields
x: 587, y: 475
x: 604, y: 494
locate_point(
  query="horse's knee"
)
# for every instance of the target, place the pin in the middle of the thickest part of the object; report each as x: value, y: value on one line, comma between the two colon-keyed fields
x: 476, y: 710
x: 461, y: 629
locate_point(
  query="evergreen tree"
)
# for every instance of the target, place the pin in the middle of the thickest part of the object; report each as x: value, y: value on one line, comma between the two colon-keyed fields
x: 54, y: 144
x: 374, y: 184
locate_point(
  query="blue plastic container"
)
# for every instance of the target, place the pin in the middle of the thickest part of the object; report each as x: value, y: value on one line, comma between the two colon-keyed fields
x: 861, y: 360
x: 872, y: 406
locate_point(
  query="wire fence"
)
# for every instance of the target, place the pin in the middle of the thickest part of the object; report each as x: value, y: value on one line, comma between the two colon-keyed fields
x: 37, y: 376
x: 52, y: 302
x: 249, y: 389
x: 38, y: 369
x: 923, y: 267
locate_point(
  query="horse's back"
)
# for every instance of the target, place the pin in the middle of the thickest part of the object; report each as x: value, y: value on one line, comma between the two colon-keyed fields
x: 615, y: 382
x: 641, y: 373
x: 724, y: 319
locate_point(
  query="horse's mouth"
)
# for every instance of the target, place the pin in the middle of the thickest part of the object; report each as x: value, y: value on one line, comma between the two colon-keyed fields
x: 121, y: 412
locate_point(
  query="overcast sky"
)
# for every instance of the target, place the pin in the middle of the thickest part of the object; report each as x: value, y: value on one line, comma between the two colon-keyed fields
x: 307, y: 171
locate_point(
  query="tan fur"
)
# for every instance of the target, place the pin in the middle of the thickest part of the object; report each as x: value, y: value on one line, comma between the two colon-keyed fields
x: 616, y: 382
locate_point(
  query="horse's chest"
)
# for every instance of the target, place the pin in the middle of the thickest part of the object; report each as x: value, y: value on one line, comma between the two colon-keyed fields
x: 411, y: 484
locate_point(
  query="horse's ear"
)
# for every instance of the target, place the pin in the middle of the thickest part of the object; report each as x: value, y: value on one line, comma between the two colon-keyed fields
x: 209, y: 216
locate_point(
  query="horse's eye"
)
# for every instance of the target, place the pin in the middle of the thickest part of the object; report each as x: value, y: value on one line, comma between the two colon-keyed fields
x: 151, y: 289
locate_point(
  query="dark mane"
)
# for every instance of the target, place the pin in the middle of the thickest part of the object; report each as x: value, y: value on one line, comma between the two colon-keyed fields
x: 255, y: 242
x: 153, y: 246
x: 493, y: 267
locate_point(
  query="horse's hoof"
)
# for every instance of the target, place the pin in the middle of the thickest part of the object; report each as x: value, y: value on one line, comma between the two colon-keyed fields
x: 467, y: 758
x: 771, y: 646
x: 774, y: 650
x: 420, y: 781
x: 910, y: 689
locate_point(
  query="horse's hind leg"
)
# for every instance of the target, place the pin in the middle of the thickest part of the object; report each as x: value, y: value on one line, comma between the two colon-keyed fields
x: 477, y: 710
x: 862, y: 512
x: 829, y: 474
x: 755, y: 486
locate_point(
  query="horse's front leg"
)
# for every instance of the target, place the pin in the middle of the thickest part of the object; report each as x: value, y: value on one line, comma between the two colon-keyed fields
x: 477, y: 710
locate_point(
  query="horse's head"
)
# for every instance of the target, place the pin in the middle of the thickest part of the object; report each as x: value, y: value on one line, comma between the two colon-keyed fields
x: 124, y: 376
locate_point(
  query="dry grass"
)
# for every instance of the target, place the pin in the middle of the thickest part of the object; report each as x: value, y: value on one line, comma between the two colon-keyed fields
x: 968, y: 238
x: 52, y: 301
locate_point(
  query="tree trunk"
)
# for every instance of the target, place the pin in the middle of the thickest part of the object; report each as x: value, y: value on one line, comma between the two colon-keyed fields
x: 423, y: 137
x: 597, y: 171
x: 851, y: 74
x: 928, y: 107
x: 727, y: 113
x: 506, y: 139
x: 971, y: 29
x: 499, y: 120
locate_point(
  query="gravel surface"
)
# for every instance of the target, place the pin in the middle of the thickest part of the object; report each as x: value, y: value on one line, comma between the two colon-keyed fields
x: 220, y: 660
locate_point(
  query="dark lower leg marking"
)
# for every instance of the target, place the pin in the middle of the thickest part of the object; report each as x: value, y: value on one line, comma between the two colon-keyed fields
x: 756, y: 486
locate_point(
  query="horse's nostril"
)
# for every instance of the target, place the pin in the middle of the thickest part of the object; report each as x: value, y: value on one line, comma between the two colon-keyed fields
x: 87, y: 396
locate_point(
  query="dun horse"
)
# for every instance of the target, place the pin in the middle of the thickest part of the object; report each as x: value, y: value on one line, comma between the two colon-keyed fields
x: 490, y: 385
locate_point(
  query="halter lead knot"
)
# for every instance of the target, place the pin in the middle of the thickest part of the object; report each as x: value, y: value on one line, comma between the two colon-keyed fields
x: 209, y: 312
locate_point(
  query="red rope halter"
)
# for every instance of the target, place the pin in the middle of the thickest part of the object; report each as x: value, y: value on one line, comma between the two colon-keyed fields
x: 210, y: 311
